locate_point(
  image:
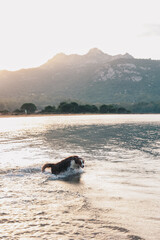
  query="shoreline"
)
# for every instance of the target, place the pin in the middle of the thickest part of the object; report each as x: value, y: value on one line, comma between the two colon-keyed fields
x: 70, y: 114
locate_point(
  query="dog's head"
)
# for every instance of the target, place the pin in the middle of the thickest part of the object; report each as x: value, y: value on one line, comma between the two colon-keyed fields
x: 77, y: 162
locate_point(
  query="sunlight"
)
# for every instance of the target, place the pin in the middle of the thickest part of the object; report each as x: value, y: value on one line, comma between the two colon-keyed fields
x: 34, y: 31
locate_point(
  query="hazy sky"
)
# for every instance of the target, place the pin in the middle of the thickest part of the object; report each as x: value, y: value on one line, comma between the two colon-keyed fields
x: 32, y: 31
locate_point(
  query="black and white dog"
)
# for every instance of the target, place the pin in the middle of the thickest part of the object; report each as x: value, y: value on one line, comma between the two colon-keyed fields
x: 73, y: 162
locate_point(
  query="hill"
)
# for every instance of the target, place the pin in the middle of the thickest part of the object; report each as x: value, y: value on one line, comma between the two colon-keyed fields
x: 95, y: 77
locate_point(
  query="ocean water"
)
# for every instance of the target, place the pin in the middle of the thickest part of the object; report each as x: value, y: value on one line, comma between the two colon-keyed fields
x: 115, y: 197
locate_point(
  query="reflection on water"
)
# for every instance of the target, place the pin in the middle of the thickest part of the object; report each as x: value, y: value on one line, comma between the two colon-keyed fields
x: 115, y: 197
x: 73, y: 179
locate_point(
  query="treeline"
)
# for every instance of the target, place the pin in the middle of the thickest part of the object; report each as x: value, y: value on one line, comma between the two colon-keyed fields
x: 73, y: 107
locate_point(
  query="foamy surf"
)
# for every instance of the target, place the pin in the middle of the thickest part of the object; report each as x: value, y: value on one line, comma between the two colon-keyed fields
x: 64, y: 175
x: 30, y: 171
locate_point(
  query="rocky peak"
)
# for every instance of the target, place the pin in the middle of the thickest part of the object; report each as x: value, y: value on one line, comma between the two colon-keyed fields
x: 95, y: 52
x: 128, y: 56
x: 96, y: 55
x: 93, y: 56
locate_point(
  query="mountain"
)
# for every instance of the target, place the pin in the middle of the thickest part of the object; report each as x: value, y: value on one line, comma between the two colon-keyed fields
x: 94, y: 56
x: 95, y: 77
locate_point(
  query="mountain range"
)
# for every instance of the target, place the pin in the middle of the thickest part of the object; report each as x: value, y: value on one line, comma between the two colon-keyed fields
x: 94, y: 78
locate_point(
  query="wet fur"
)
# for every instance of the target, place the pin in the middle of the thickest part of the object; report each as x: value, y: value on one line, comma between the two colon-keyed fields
x: 73, y: 162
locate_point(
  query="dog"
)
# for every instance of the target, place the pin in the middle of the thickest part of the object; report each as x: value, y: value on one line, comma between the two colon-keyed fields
x: 73, y: 162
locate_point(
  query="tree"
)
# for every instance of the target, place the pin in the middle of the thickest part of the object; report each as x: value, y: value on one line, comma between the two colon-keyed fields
x: 74, y: 107
x: 28, y: 108
x: 65, y: 107
x: 93, y: 109
x: 49, y: 109
x: 107, y: 109
x: 122, y: 110
x: 88, y: 108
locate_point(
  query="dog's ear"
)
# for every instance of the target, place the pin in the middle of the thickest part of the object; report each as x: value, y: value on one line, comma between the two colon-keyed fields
x: 76, y: 159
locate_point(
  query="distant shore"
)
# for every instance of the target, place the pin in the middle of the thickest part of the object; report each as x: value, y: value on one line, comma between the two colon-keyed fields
x: 76, y: 108
x: 68, y: 114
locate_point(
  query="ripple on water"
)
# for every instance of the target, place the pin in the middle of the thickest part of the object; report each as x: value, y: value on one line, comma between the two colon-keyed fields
x: 117, y: 195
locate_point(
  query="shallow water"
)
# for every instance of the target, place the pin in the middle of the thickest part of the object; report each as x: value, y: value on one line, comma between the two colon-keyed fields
x: 116, y: 196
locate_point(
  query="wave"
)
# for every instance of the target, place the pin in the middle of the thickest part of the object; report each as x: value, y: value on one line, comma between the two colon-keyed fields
x: 15, y: 171
x: 37, y: 170
x: 69, y: 175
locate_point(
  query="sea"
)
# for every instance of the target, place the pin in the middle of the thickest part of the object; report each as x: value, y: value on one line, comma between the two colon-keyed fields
x: 115, y: 197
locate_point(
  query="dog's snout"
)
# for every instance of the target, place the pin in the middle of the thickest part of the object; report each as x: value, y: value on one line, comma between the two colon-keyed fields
x: 82, y: 164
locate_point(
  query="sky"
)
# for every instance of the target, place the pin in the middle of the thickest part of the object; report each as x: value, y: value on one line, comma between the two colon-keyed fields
x: 33, y: 31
